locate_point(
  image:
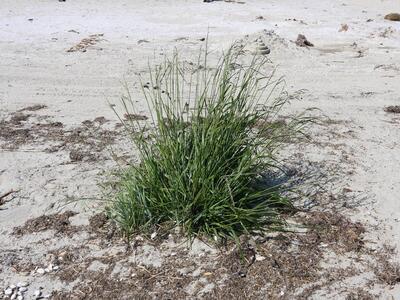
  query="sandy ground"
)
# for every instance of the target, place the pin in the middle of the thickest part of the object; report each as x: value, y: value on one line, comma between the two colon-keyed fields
x: 71, y: 57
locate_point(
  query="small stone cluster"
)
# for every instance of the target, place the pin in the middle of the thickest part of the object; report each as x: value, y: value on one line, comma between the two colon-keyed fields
x: 19, y: 290
x: 49, y: 269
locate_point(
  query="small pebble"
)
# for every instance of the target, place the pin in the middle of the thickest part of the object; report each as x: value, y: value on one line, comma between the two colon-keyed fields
x: 20, y: 297
x: 13, y: 296
x: 22, y: 284
x: 47, y: 270
x: 393, y: 17
x: 40, y: 271
x: 23, y: 289
x: 153, y: 235
x: 55, y: 268
x: 8, y: 291
x: 37, y: 293
x: 259, y: 257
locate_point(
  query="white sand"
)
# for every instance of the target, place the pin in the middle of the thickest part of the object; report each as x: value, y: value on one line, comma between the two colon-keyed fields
x: 35, y: 68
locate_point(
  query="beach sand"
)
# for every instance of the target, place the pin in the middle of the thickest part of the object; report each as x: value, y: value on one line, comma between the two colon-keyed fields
x: 63, y: 63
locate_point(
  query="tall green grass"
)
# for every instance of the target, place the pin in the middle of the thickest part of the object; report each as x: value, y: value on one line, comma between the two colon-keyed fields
x: 214, y: 134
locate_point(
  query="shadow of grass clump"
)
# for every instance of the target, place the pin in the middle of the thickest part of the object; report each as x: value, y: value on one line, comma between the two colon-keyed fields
x: 202, y: 162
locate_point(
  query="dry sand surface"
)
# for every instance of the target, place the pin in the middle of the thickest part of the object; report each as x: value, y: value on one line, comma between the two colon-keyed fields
x: 62, y: 63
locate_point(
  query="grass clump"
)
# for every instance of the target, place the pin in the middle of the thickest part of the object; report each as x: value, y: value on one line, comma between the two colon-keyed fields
x: 214, y: 134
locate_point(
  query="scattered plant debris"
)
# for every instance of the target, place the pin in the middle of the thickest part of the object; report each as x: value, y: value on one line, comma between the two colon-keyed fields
x: 395, y: 109
x: 17, y: 118
x: 228, y: 1
x: 361, y: 294
x: 344, y: 27
x: 135, y: 117
x: 98, y: 221
x: 84, y: 143
x: 58, y: 222
x: 287, y: 261
x: 386, y: 32
x: 387, y: 67
x: 303, y: 42
x: 77, y: 155
x: 142, y: 41
x: 33, y: 107
x: 386, y: 270
x: 296, y: 20
x: 83, y: 45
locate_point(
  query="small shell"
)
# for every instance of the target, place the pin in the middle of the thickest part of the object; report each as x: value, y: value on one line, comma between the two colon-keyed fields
x: 40, y: 271
x: 263, y: 52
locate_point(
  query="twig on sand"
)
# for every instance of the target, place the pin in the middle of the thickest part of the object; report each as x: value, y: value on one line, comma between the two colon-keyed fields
x: 5, y: 195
